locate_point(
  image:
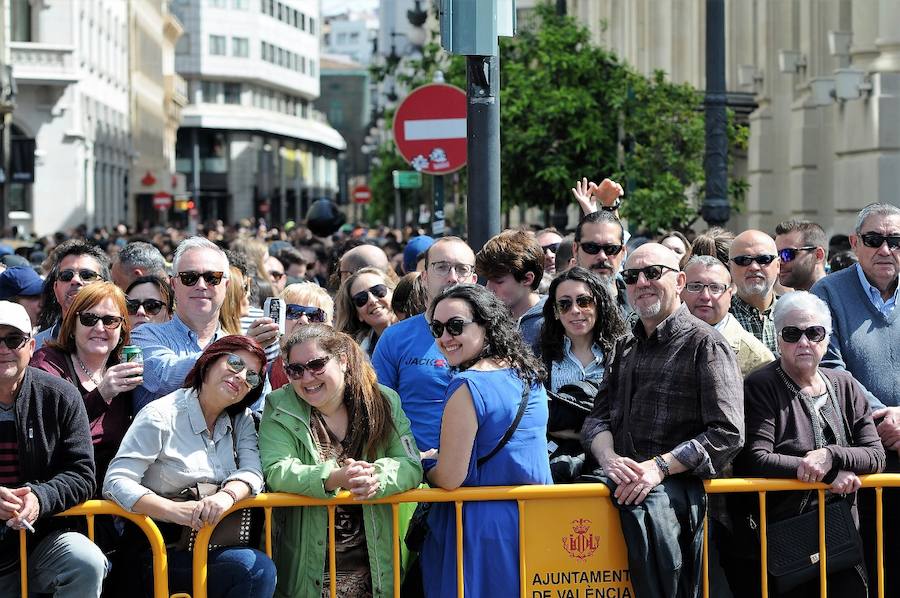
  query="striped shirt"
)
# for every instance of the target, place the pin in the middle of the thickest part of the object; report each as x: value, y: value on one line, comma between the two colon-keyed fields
x: 9, y: 447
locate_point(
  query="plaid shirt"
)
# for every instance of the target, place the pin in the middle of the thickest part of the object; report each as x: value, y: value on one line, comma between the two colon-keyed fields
x: 678, y: 390
x: 760, y: 324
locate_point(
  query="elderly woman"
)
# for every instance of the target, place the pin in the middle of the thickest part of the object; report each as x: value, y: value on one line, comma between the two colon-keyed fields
x: 305, y: 303
x: 334, y: 427
x: 496, y: 396
x: 149, y: 299
x: 364, y: 306
x: 808, y: 423
x: 86, y: 353
x: 201, y: 433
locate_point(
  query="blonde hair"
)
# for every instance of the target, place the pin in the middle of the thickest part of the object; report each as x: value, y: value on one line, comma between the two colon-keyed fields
x: 230, y: 313
x: 312, y: 295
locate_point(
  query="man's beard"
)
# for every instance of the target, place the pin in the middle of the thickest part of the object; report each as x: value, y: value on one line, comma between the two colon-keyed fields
x: 758, y: 287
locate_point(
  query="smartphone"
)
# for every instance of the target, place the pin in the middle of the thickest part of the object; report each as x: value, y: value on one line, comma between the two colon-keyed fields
x: 274, y: 308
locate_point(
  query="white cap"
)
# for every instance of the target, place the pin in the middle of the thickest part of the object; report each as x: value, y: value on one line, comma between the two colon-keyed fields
x: 13, y: 314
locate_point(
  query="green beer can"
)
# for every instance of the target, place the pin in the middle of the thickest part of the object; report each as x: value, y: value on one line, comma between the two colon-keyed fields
x: 132, y: 353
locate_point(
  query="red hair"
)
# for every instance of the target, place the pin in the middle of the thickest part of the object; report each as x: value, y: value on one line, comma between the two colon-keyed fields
x: 219, y: 349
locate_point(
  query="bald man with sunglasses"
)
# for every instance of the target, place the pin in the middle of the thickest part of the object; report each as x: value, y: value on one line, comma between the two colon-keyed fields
x: 754, y: 265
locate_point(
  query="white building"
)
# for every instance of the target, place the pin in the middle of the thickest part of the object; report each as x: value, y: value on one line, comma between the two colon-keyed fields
x: 351, y: 34
x: 250, y: 140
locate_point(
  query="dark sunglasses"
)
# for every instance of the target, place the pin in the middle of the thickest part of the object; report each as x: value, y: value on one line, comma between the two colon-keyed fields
x: 236, y: 364
x: 582, y: 301
x: 189, y: 279
x: 90, y: 320
x: 594, y: 248
x: 745, y: 260
x: 875, y: 240
x: 14, y: 341
x: 454, y: 327
x: 275, y: 275
x: 315, y: 367
x: 295, y: 312
x: 630, y: 276
x: 789, y: 254
x: 792, y: 334
x: 361, y: 298
x: 84, y: 275
x: 151, y: 306
x: 552, y: 247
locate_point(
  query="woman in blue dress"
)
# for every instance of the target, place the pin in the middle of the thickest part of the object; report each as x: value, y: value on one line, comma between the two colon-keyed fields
x: 497, y: 375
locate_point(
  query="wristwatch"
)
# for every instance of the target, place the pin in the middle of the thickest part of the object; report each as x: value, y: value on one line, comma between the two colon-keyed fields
x: 612, y: 208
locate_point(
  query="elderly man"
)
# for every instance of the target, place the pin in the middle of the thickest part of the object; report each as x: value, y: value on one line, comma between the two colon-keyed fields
x: 668, y: 414
x: 707, y: 294
x: 801, y: 249
x: 754, y: 269
x: 362, y: 256
x: 46, y: 467
x: 600, y: 247
x: 137, y: 259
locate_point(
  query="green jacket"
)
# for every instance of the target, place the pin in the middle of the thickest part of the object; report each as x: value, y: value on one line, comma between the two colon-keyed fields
x: 291, y: 463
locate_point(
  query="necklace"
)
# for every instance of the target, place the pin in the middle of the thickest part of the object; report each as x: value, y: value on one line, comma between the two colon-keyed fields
x: 87, y: 372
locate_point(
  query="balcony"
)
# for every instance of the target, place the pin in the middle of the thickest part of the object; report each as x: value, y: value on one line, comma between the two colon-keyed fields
x: 43, y: 64
x: 176, y: 90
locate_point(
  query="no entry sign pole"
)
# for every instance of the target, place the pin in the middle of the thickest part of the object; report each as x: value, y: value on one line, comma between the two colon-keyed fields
x: 483, y: 83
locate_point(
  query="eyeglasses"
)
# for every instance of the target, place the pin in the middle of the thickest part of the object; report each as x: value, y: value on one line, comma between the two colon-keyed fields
x: 443, y: 269
x: 655, y: 272
x: 792, y: 334
x: 90, y: 320
x: 552, y: 247
x: 236, y: 364
x: 715, y: 288
x: 295, y: 312
x: 875, y: 240
x: 315, y: 367
x: 14, y: 341
x: 189, y: 279
x: 361, y: 298
x: 582, y: 301
x: 789, y: 254
x: 594, y: 248
x: 275, y: 275
x: 151, y: 306
x: 745, y: 260
x: 84, y: 275
x: 454, y: 327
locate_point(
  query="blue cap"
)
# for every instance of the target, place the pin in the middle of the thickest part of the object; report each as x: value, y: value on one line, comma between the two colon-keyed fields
x: 6, y: 250
x: 414, y: 247
x: 20, y: 281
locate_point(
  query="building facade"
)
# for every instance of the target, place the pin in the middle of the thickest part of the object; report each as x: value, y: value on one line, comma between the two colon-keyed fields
x: 251, y: 144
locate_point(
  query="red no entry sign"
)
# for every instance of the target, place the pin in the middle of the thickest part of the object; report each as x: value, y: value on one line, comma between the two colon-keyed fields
x: 362, y: 194
x: 430, y: 128
x: 162, y: 201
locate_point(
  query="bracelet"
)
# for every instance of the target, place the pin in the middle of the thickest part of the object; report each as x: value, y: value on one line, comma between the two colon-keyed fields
x: 230, y: 493
x: 612, y: 208
x: 663, y: 466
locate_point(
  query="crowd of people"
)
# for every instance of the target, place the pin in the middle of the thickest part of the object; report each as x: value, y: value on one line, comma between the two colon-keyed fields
x: 647, y: 363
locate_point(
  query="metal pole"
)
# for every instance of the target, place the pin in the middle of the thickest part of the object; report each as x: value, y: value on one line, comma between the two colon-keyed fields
x: 483, y: 115
x: 398, y: 209
x: 715, y: 206
x: 437, y: 212
x: 195, y: 174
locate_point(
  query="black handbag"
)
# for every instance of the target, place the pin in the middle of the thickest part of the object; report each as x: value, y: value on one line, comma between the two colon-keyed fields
x: 793, y: 545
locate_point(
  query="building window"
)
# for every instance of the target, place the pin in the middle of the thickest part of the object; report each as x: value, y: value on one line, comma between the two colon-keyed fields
x: 312, y: 26
x: 21, y: 21
x: 232, y: 93
x: 218, y: 3
x: 211, y: 91
x: 241, y: 4
x: 217, y: 45
x: 240, y: 47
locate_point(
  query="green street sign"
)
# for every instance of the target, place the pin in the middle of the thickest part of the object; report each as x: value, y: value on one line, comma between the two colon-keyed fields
x: 407, y: 179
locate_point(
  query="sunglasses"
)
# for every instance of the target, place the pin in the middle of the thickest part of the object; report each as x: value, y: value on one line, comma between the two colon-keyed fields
x: 715, y: 288
x: 275, y: 275
x: 454, y: 327
x: 594, y: 248
x: 236, y: 365
x: 792, y: 334
x: 582, y: 301
x: 189, y: 279
x: 361, y: 298
x: 315, y: 367
x: 789, y: 254
x: 295, y: 312
x: 151, y: 306
x: 90, y: 320
x: 630, y: 276
x: 875, y: 240
x: 745, y: 260
x: 14, y: 341
x: 84, y: 275
x: 552, y: 247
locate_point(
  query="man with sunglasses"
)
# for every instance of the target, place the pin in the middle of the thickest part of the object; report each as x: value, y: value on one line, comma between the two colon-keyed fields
x: 754, y: 265
x: 668, y: 414
x: 73, y: 264
x: 200, y: 276
x: 600, y: 247
x: 549, y: 240
x: 46, y: 467
x: 801, y: 249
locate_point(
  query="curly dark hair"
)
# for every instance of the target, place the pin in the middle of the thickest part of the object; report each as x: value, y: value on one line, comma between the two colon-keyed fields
x: 502, y: 340
x: 52, y: 310
x: 608, y: 325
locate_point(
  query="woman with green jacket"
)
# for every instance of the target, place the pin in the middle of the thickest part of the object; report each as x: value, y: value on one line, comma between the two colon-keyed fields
x: 335, y: 428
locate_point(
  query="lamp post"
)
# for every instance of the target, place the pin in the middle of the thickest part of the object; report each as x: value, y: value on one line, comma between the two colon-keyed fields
x: 716, y: 210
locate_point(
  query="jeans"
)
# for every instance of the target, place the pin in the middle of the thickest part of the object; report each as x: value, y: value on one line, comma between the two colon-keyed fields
x: 64, y: 564
x: 234, y: 572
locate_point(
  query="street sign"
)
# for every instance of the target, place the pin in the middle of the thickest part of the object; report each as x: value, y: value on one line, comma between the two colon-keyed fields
x: 361, y: 194
x: 162, y: 201
x: 430, y: 128
x: 407, y: 179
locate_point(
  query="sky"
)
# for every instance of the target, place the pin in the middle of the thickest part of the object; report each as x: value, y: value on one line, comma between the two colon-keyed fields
x: 330, y: 7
